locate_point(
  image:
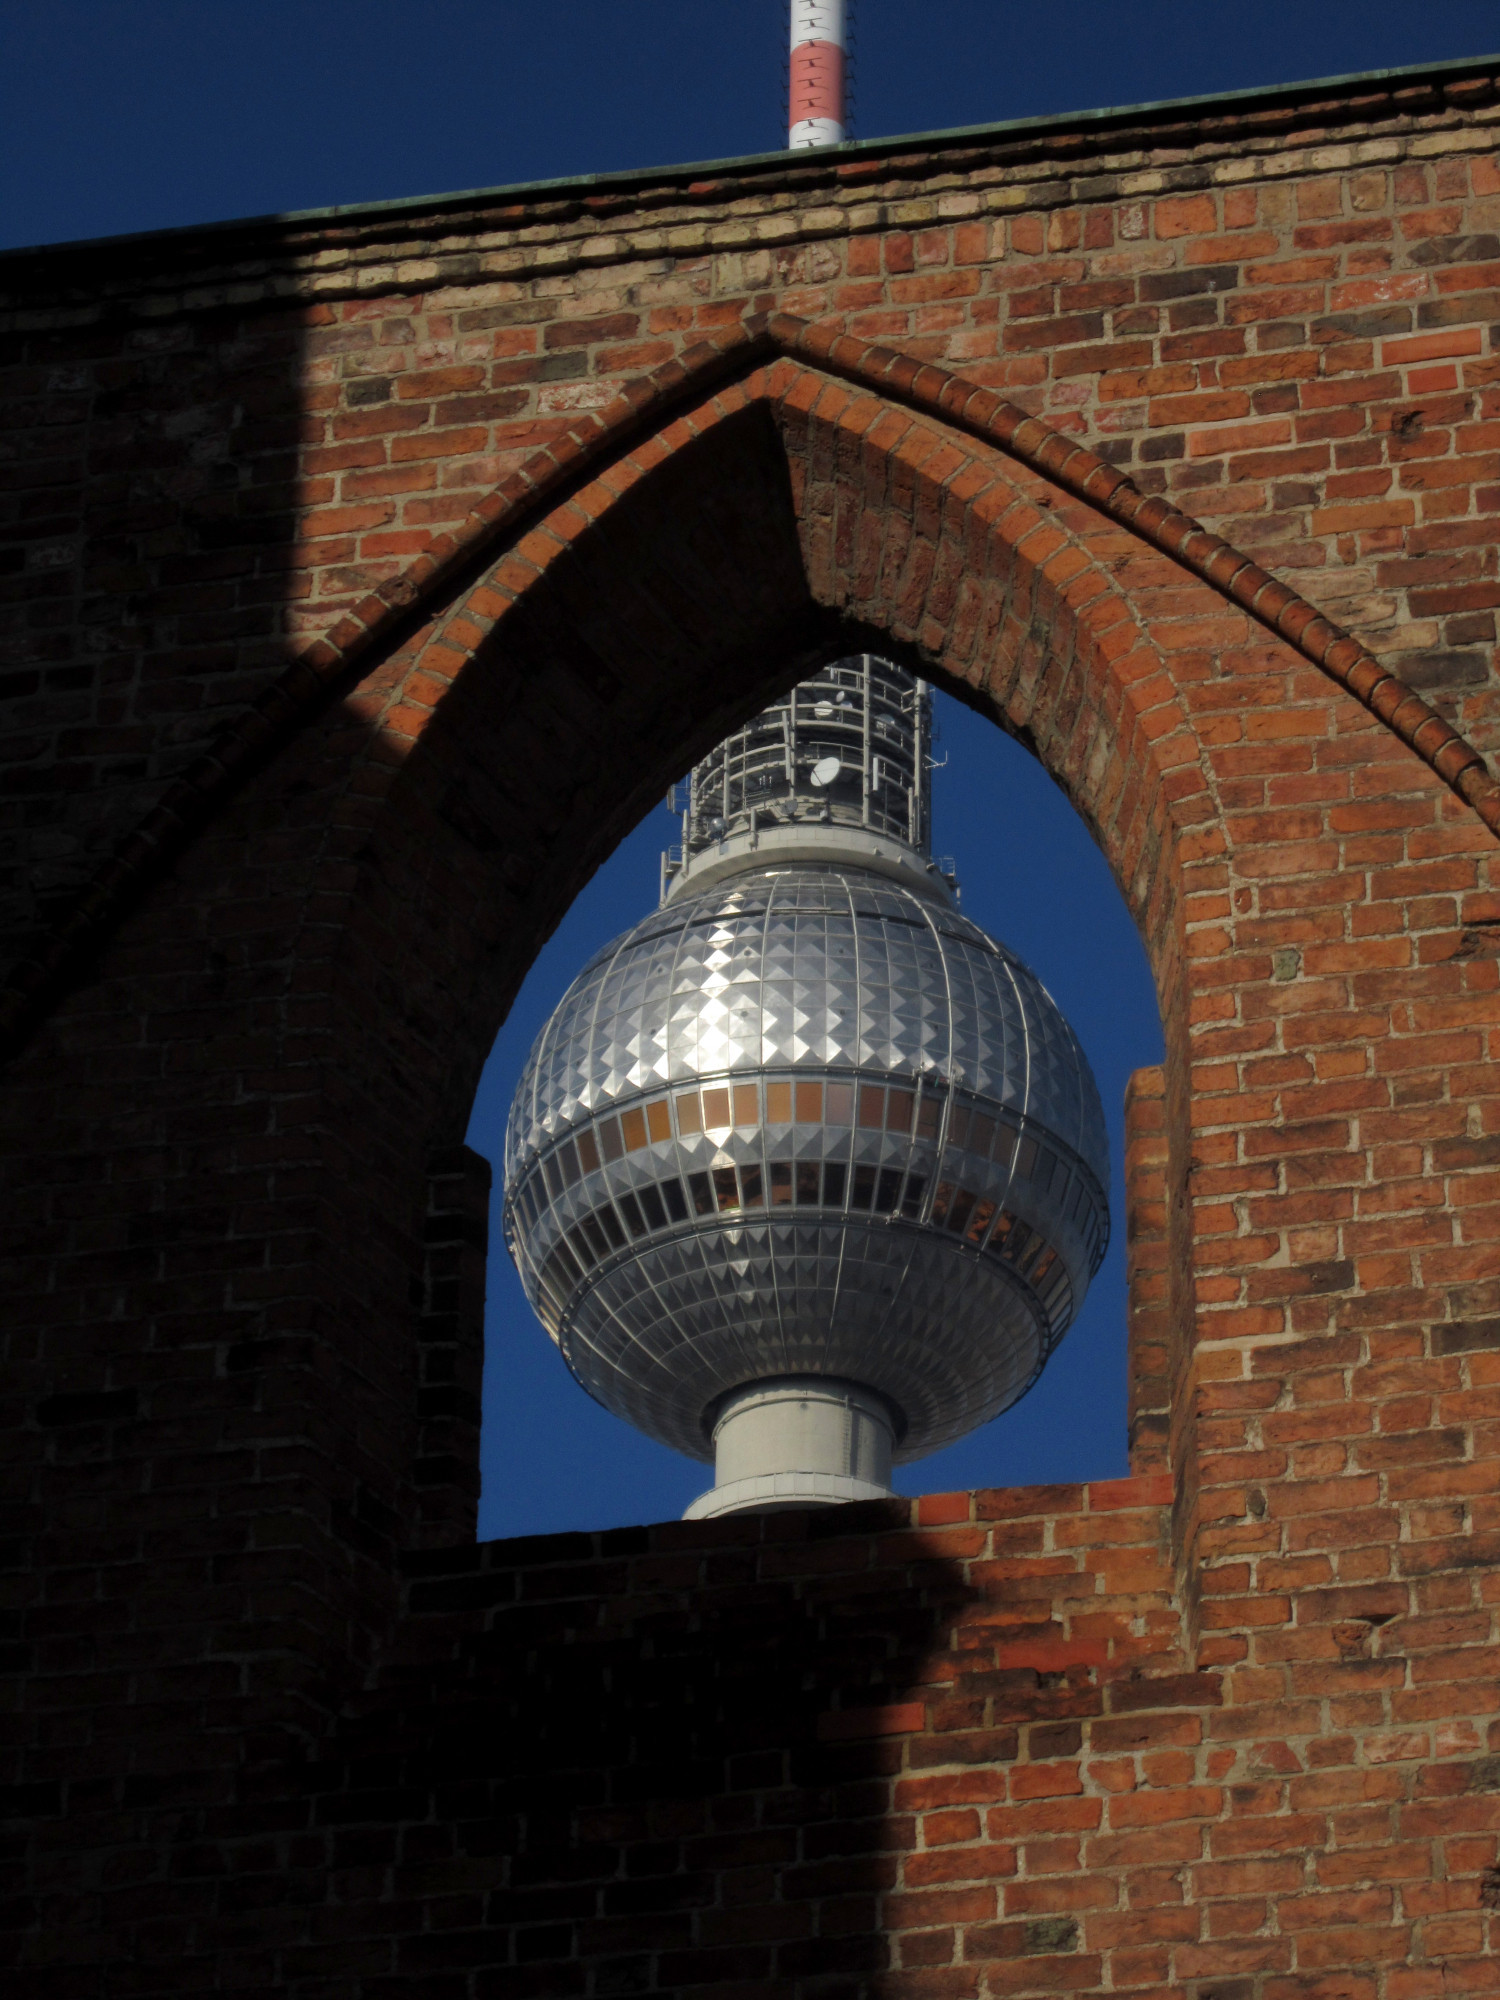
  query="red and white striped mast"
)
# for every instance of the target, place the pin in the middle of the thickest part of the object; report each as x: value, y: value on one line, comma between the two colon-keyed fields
x: 815, y: 113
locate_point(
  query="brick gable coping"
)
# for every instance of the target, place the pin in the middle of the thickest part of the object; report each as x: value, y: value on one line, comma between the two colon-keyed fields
x: 763, y: 201
x: 759, y: 203
x: 391, y: 611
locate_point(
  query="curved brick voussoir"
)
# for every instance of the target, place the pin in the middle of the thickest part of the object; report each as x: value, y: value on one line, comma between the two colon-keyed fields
x: 1145, y: 686
x: 642, y: 412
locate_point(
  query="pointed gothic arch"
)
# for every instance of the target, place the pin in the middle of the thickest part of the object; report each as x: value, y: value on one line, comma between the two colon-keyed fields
x: 410, y: 814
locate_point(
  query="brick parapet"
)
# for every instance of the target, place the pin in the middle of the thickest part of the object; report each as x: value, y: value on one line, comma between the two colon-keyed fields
x: 866, y: 1743
x: 770, y: 204
x: 465, y: 1578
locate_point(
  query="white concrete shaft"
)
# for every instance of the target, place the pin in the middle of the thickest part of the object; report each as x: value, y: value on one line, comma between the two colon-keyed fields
x: 818, y: 21
x: 805, y: 132
x: 815, y: 110
x: 798, y: 1441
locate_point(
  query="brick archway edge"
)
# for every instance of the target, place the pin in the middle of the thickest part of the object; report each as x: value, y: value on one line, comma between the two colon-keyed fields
x: 329, y: 662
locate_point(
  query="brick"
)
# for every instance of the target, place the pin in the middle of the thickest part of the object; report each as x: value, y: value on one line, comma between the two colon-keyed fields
x: 1431, y: 346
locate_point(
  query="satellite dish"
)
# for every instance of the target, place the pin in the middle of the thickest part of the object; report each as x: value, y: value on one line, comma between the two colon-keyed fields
x: 825, y: 771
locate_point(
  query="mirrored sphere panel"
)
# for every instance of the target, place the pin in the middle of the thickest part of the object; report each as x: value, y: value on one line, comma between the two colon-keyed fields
x: 807, y: 1120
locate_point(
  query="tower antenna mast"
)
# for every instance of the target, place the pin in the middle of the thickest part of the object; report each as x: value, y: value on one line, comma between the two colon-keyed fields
x: 819, y: 68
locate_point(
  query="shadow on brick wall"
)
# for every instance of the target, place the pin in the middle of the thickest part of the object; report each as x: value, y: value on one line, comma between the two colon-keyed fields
x: 653, y: 1760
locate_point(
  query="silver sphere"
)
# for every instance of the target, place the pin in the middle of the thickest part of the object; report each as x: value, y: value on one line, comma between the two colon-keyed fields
x: 807, y: 1121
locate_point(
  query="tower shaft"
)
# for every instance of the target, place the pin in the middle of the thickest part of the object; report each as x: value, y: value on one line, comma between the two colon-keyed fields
x: 816, y: 114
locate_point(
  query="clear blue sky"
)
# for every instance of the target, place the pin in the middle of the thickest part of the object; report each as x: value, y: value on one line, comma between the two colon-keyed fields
x: 139, y: 114
x: 121, y: 115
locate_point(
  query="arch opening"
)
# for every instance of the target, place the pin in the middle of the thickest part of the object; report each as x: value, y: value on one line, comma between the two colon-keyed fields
x: 406, y: 850
x: 784, y: 520
x: 553, y: 1460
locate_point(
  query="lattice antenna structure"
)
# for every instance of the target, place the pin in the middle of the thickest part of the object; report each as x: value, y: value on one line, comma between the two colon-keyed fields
x: 840, y: 765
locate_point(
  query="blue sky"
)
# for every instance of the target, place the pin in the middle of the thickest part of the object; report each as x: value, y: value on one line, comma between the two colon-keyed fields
x: 141, y: 114
x: 122, y: 115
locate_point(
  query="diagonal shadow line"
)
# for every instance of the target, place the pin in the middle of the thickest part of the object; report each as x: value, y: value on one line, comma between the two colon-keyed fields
x: 398, y: 607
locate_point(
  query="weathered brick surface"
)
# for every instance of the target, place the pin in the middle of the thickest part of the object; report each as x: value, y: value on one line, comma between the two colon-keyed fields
x: 1147, y: 1269
x: 871, y: 1743
x: 1283, y: 322
x: 372, y: 577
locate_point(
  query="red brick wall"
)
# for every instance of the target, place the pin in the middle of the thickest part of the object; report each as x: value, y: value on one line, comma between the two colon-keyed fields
x: 1147, y: 1269
x: 369, y: 578
x: 937, y: 1739
x: 1281, y: 321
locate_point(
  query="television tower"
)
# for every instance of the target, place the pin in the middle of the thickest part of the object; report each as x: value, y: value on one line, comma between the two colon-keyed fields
x: 807, y: 1174
x: 819, y: 73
